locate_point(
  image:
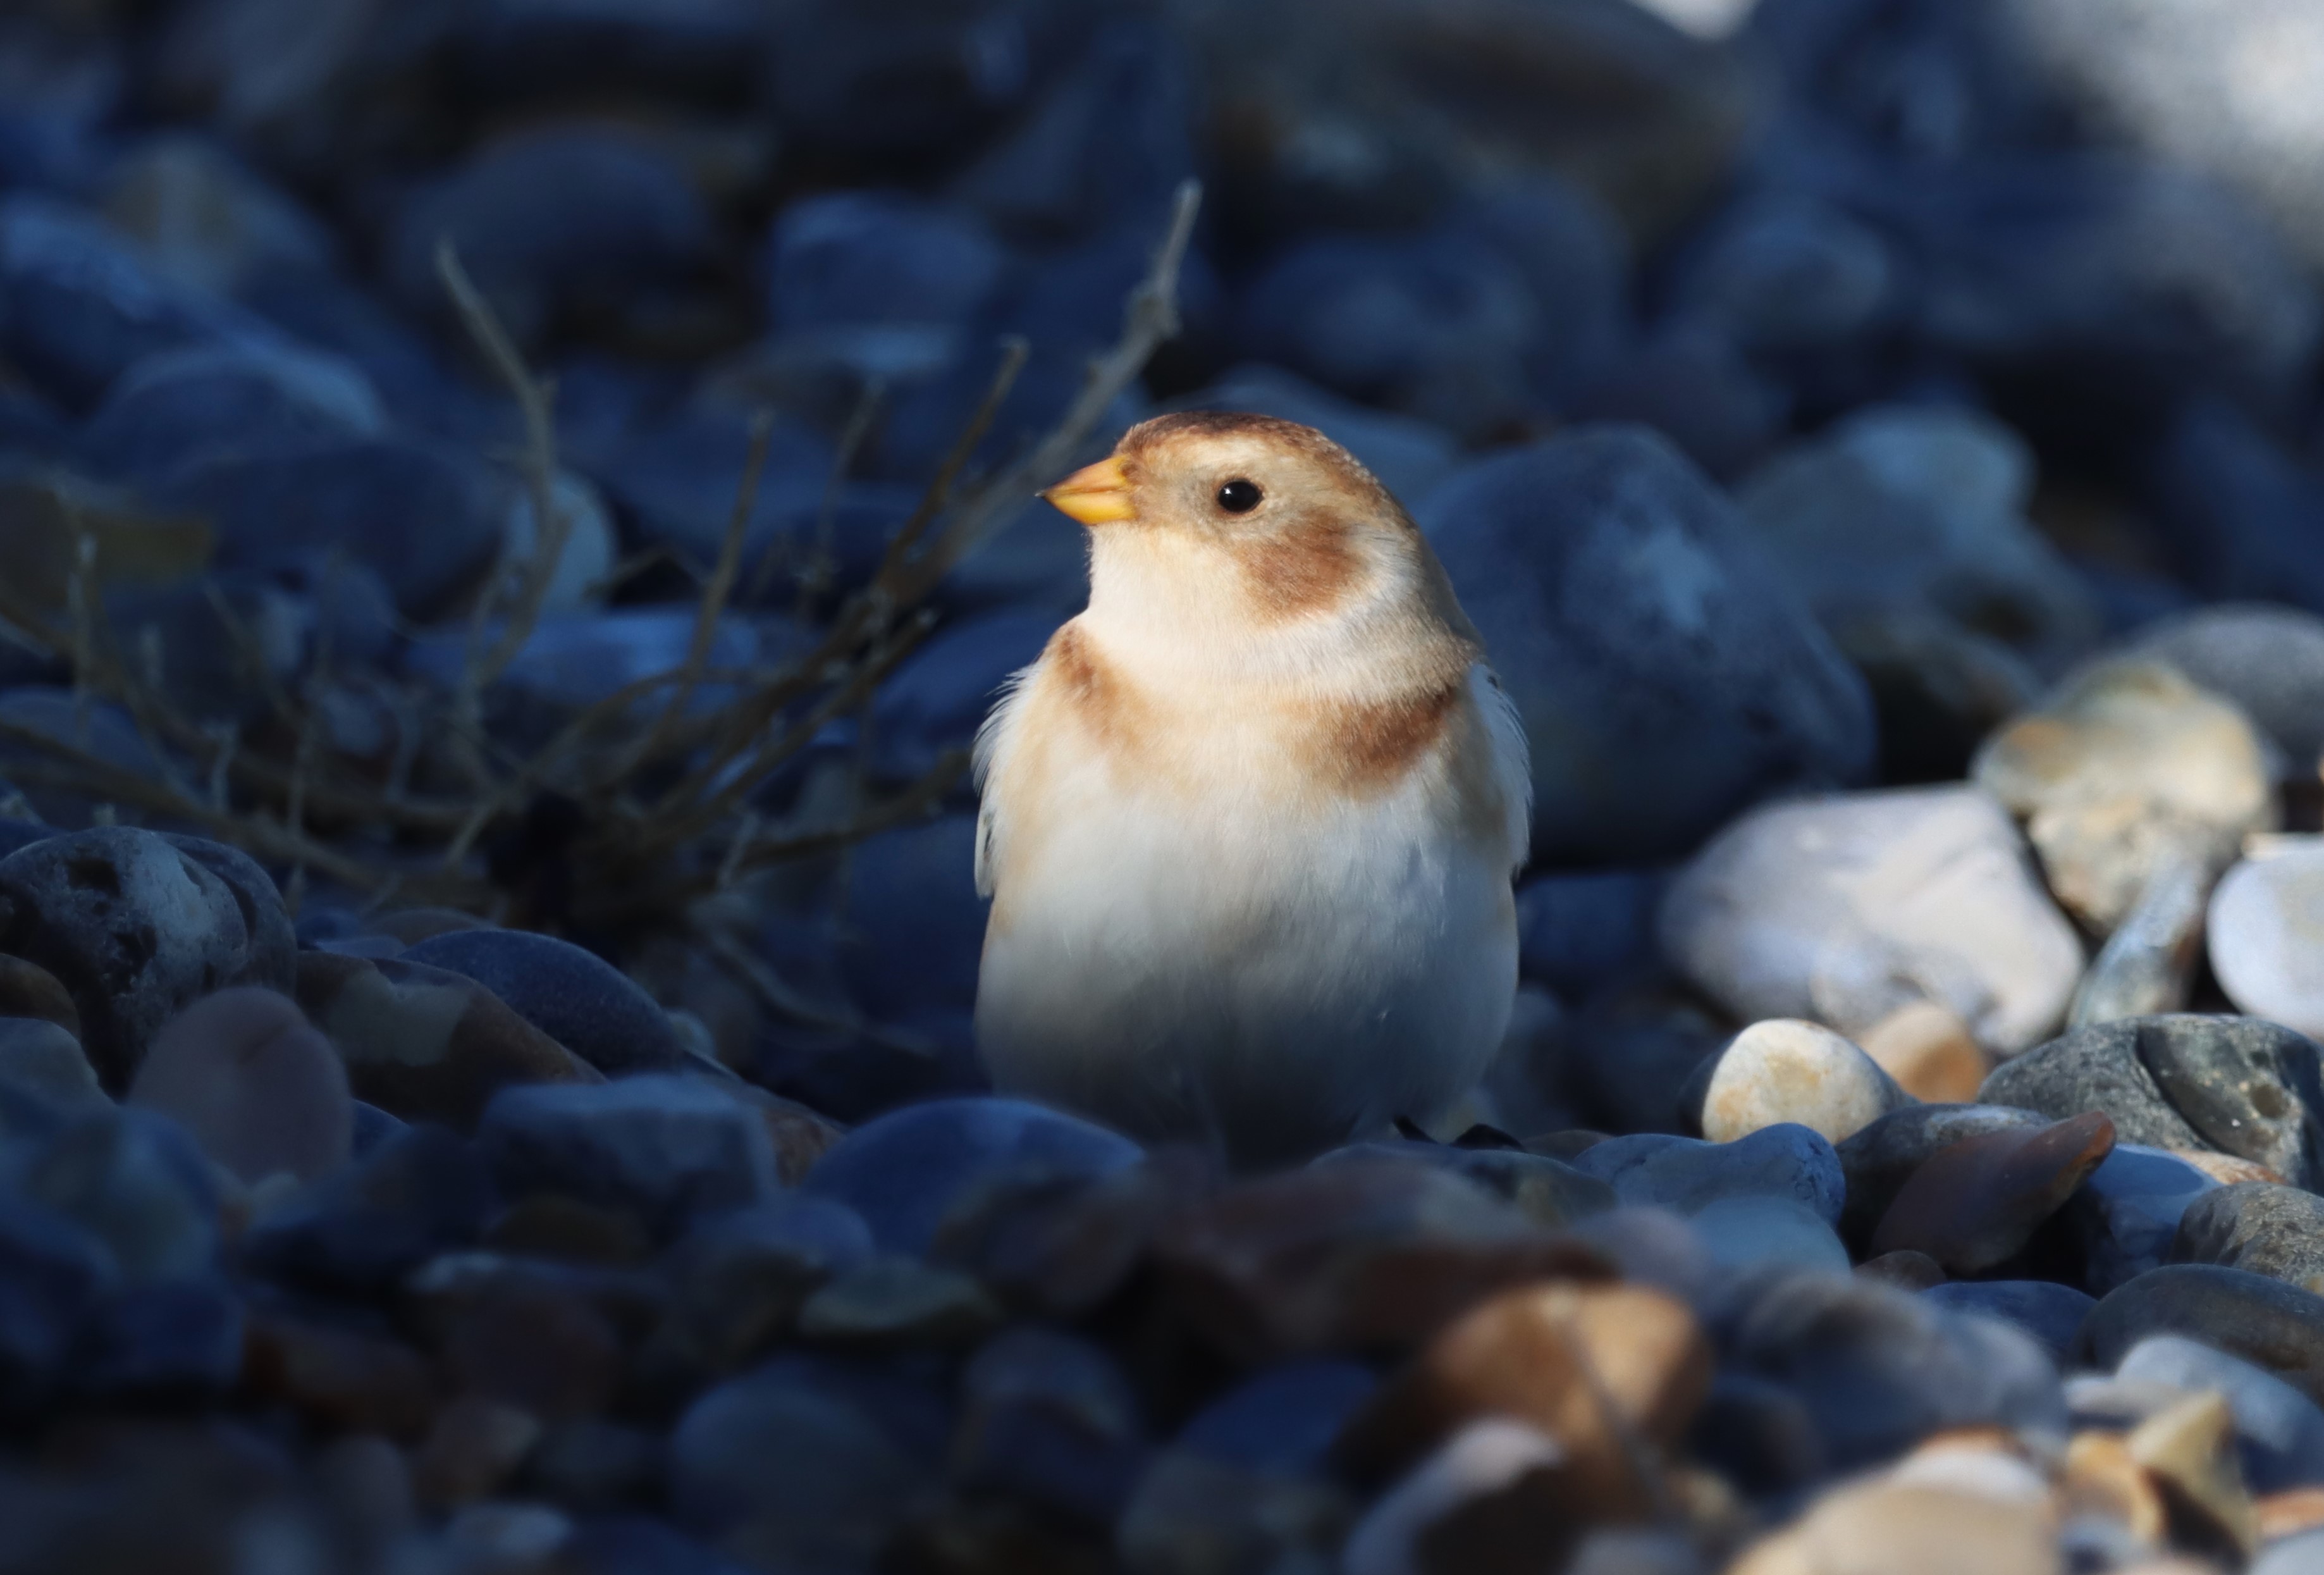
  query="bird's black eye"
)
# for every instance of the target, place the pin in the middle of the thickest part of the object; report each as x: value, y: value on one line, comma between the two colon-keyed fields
x: 1239, y: 496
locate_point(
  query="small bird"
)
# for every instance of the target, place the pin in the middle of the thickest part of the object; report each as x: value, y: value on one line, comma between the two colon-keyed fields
x: 1250, y: 823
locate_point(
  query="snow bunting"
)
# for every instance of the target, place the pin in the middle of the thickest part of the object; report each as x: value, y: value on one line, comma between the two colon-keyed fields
x: 1250, y: 823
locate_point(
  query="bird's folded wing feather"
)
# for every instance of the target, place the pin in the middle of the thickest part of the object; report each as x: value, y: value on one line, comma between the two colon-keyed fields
x: 1512, y: 762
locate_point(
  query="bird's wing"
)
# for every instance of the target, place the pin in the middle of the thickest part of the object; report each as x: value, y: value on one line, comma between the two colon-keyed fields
x: 1512, y: 762
x: 993, y: 740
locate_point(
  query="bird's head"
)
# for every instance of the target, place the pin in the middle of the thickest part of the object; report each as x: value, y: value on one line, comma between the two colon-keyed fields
x: 1240, y: 515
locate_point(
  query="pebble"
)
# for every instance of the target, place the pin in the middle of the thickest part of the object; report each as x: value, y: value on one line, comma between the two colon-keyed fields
x: 170, y: 409
x: 1787, y: 1071
x: 2100, y: 1481
x: 904, y: 1171
x: 419, y: 1191
x: 2267, y: 659
x: 2267, y: 1230
x: 2275, y: 1327
x: 1919, y: 506
x: 738, y: 1278
x: 1842, y: 910
x: 29, y: 990
x: 2128, y: 1212
x: 574, y: 996
x: 1050, y: 1420
x: 1929, y: 1051
x: 262, y: 1092
x: 805, y: 1462
x: 1877, y: 1162
x: 1551, y: 1193
x: 1709, y: 686
x: 38, y: 1056
x: 2147, y: 965
x: 136, y: 927
x: 2281, y: 1430
x: 135, y: 1180
x: 1763, y: 1230
x: 1908, y: 1530
x: 2129, y: 766
x: 1879, y: 1368
x: 425, y: 1044
x: 543, y: 1336
x: 171, y: 1342
x: 52, y: 1275
x: 1335, y: 1259
x: 345, y: 1379
x: 663, y: 1145
x: 1189, y: 1508
x: 898, y: 1302
x: 2264, y: 934
x: 1787, y: 1160
x: 2234, y: 1084
x: 1974, y: 1203
x: 472, y: 1449
x: 1554, y: 1357
x: 1285, y: 1418
x: 1493, y: 1488
x: 2051, y: 1312
x: 2189, y: 1449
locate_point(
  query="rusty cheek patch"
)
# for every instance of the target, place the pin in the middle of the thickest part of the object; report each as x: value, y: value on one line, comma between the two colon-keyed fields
x: 1308, y: 566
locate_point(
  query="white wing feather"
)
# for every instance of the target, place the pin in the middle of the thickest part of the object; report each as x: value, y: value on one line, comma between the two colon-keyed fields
x: 1512, y: 761
x: 993, y: 736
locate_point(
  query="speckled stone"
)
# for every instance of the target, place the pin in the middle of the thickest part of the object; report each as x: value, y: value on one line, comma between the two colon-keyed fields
x: 2276, y: 1231
x: 1787, y: 1070
x: 574, y: 996
x: 2234, y: 1084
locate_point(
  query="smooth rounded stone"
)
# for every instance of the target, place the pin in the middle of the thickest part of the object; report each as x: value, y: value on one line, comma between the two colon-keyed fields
x: 425, y: 1044
x: 552, y: 219
x: 2183, y: 1081
x: 665, y: 1146
x: 1690, y: 382
x: 420, y: 1192
x: 1908, y: 1529
x: 1551, y: 1193
x: 273, y: 943
x: 878, y: 281
x: 1369, y: 1255
x: 2271, y: 1230
x: 1881, y: 1158
x: 428, y: 518
x: 1189, y: 1507
x: 1974, y: 1203
x: 2266, y: 932
x: 1408, y: 455
x: 2127, y: 1213
x: 1904, y: 1268
x: 206, y: 219
x: 136, y: 1182
x: 905, y: 1171
x: 1580, y: 930
x: 1492, y: 1487
x: 2243, y: 505
x: 2147, y: 965
x: 1050, y: 1420
x: 29, y: 990
x: 2302, y: 1553
x: 1680, y: 1173
x: 1628, y: 1057
x: 262, y: 1091
x: 2275, y: 1327
x: 2128, y: 767
x: 2189, y: 1449
x: 1665, y: 674
x: 1919, y: 505
x: 52, y: 1277
x: 2268, y: 659
x: 1765, y: 1229
x: 175, y: 406
x: 1880, y: 1368
x: 1282, y: 1419
x: 42, y: 1059
x: 1554, y: 1357
x: 166, y: 1341
x: 135, y: 927
x: 1654, y: 1247
x: 898, y: 1302
x: 1842, y: 910
x: 2281, y: 1430
x: 84, y: 306
x: 806, y: 1462
x: 1758, y: 1436
x: 574, y: 996
x: 1929, y: 1052
x: 2197, y: 91
x: 473, y: 1448
x: 2051, y: 1312
x: 1787, y: 272
x: 1785, y: 1070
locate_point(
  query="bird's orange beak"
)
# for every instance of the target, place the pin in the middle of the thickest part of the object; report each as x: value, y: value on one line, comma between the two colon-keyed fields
x: 1095, y: 494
